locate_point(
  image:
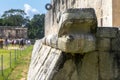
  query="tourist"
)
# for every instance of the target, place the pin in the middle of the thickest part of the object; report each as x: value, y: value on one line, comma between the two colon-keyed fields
x: 6, y: 43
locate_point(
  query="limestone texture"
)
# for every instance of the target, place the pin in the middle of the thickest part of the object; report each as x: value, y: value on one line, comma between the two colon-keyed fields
x: 74, y: 47
x: 103, y: 44
x: 77, y: 21
x: 106, y: 66
x: 77, y: 43
x: 116, y: 42
x: 107, y: 32
x: 89, y: 67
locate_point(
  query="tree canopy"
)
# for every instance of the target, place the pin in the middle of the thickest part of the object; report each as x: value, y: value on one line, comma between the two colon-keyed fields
x: 36, y: 26
x: 14, y: 12
x: 14, y: 17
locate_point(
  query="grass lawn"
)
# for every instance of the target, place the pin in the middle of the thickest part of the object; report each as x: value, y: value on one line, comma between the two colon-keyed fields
x: 19, y: 63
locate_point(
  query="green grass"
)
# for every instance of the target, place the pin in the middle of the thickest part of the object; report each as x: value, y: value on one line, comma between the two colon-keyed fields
x: 14, y: 60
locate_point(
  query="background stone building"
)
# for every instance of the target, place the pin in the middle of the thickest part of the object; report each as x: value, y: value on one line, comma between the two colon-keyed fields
x: 13, y: 32
x: 107, y: 11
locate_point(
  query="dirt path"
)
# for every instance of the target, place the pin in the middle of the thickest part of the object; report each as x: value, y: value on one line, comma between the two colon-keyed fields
x: 20, y: 72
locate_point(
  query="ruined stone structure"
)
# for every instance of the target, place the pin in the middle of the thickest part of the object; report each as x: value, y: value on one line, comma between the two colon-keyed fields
x: 107, y: 12
x: 11, y: 32
x: 76, y: 46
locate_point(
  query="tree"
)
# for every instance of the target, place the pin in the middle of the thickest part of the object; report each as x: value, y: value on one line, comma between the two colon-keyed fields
x: 36, y: 26
x: 1, y: 22
x: 14, y: 17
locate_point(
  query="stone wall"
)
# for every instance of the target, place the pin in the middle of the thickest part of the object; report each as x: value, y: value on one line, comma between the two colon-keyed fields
x: 103, y: 10
x: 101, y: 64
x: 49, y: 62
x: 12, y: 32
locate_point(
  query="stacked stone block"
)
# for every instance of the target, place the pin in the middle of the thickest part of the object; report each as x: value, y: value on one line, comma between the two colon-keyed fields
x: 116, y: 52
x: 101, y: 64
x: 106, y: 47
x: 104, y: 36
x: 77, y: 51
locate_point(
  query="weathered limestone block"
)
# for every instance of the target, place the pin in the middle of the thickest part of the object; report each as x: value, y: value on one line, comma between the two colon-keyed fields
x: 116, y: 65
x: 116, y: 42
x: 35, y: 52
x: 38, y: 60
x: 103, y: 44
x: 107, y: 32
x: 51, y: 40
x: 36, y: 47
x: 89, y: 67
x: 47, y: 70
x: 106, y: 66
x: 118, y: 34
x: 76, y: 31
x: 77, y: 43
x: 77, y: 21
x: 73, y: 43
x: 68, y: 72
x: 43, y: 66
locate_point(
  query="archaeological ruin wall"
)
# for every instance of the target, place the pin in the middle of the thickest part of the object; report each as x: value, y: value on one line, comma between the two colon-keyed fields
x: 13, y: 32
x: 80, y: 43
x: 103, y: 10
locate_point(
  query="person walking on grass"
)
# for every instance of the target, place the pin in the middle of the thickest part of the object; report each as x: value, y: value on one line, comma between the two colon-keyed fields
x: 21, y: 43
x: 6, y: 43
